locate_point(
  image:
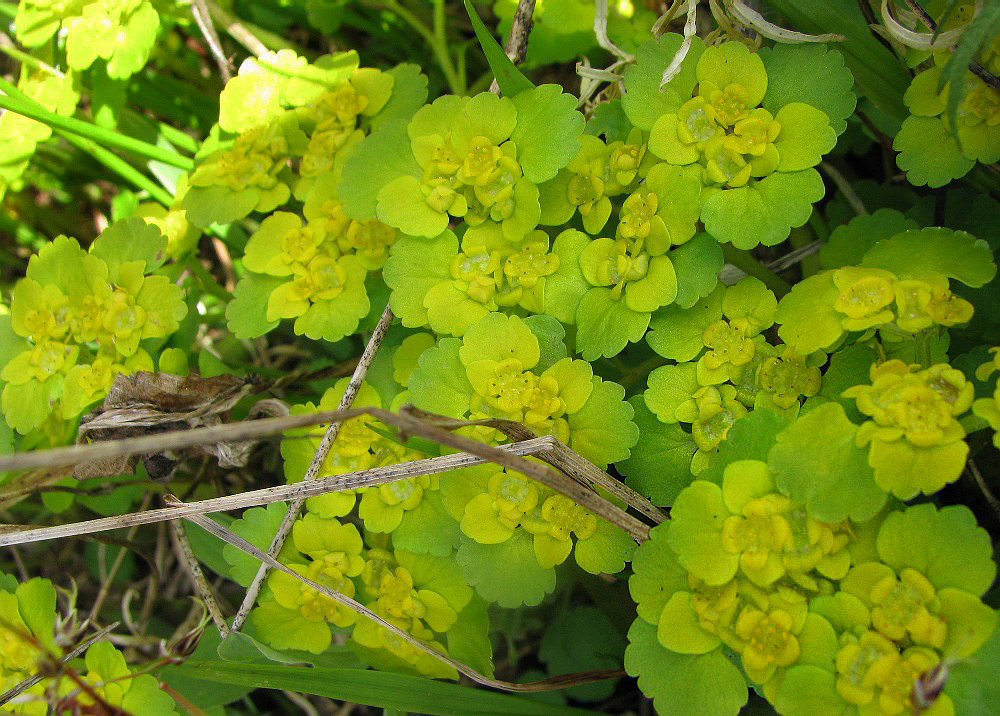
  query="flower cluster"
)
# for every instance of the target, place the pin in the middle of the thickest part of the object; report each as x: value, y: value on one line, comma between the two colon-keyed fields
x: 915, y: 442
x: 294, y: 125
x: 818, y: 614
x: 83, y: 315
x: 739, y: 131
x: 725, y: 367
x: 424, y: 595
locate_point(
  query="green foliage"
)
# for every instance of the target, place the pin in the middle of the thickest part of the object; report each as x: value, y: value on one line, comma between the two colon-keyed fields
x: 608, y: 269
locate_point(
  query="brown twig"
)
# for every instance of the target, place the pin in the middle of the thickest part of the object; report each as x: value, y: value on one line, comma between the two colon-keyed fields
x: 517, y: 41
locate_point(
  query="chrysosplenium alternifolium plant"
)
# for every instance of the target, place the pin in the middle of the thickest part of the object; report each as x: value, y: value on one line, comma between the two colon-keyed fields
x: 563, y: 272
x: 80, y: 317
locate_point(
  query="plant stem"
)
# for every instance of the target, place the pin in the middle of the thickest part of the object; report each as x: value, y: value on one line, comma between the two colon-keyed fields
x: 118, y: 165
x: 15, y: 101
x: 745, y: 261
x: 437, y: 40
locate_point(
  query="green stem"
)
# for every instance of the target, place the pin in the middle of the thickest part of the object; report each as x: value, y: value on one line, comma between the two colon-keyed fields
x: 745, y: 261
x: 15, y: 101
x: 118, y: 165
x: 208, y: 282
x: 438, y: 44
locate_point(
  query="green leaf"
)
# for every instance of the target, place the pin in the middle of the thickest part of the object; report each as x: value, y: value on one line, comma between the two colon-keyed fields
x: 695, y: 685
x: 669, y: 387
x: 409, y: 93
x: 697, y: 263
x: 547, y: 134
x: 218, y: 204
x: 383, y: 156
x: 602, y: 431
x: 810, y: 73
x: 954, y: 254
x: 609, y: 119
x: 605, y: 326
x: 246, y: 313
x: 808, y: 320
x: 644, y: 102
x: 551, y: 341
x: 439, y: 383
x: 659, y: 467
x: 764, y: 213
x: 848, y: 367
x: 401, y: 204
x: 816, y: 462
x: 878, y: 73
x: 946, y: 545
x: 507, y: 573
x: 509, y: 78
x: 804, y: 138
x: 929, y: 153
x: 258, y: 527
x: 849, y: 242
x: 974, y: 684
x: 656, y: 575
x: 380, y: 689
x: 130, y: 240
x: 468, y: 638
x: 36, y: 600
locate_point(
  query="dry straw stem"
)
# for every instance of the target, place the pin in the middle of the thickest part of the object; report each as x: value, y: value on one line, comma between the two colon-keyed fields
x: 506, y: 455
x: 312, y: 472
x: 182, y: 546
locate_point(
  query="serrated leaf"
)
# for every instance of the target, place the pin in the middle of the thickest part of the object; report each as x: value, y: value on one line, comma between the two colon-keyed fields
x: 439, y: 383
x: 697, y: 263
x: 946, y: 545
x: 812, y: 73
x: 609, y: 119
x: 509, y: 78
x: 929, y: 153
x: 602, y: 431
x: 257, y: 526
x: 644, y: 102
x: 974, y: 684
x: 659, y: 467
x: 816, y: 462
x: 547, y: 134
x: 605, y: 326
x: 750, y: 438
x: 507, y: 573
x: 383, y: 156
x: 917, y: 253
x: 409, y: 93
x: 695, y: 685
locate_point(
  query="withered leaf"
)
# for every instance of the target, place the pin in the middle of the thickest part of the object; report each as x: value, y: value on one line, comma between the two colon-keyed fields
x: 145, y: 403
